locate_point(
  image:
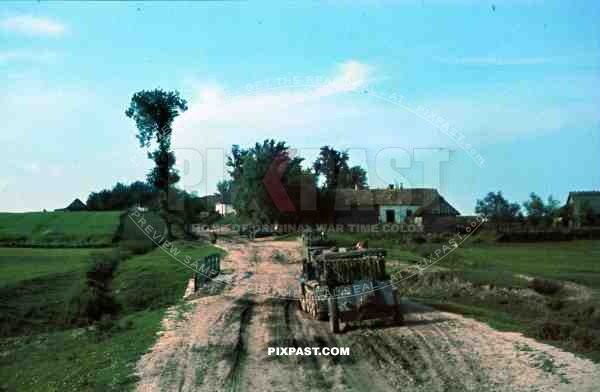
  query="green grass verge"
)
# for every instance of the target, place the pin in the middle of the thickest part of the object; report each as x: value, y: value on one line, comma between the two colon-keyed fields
x: 485, y: 280
x: 36, y: 287
x: 156, y: 279
x: 47, y: 355
x: 77, y: 360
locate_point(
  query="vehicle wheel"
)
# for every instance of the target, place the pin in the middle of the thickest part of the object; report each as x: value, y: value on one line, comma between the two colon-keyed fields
x: 398, y: 315
x: 334, y: 321
x: 303, y: 304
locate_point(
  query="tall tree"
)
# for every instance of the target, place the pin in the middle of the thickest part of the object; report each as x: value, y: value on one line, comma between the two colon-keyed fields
x: 332, y: 165
x: 153, y: 112
x: 497, y: 209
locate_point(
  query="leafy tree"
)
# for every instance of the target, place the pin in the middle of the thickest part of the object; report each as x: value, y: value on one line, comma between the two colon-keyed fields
x: 552, y: 210
x: 535, y: 209
x: 539, y: 212
x: 224, y: 190
x: 358, y: 177
x: 153, y: 112
x: 497, y: 209
x: 194, y: 209
x: 333, y: 166
x: 247, y: 168
x: 123, y: 196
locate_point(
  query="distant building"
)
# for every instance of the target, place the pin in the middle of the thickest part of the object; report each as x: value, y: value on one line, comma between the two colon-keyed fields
x: 76, y: 205
x: 585, y: 207
x: 424, y: 206
x: 224, y: 208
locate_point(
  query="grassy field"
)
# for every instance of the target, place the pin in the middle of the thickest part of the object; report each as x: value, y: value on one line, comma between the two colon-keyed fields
x: 58, y: 229
x: 490, y: 262
x: 39, y: 352
x: 493, y: 282
x: 36, y: 287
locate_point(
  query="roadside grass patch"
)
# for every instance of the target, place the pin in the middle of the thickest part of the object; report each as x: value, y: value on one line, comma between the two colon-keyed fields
x: 38, y: 286
x: 77, y: 359
x: 40, y: 350
x: 156, y: 280
x: 490, y: 282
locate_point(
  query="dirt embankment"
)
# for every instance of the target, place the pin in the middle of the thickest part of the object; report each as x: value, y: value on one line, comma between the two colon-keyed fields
x: 220, y: 343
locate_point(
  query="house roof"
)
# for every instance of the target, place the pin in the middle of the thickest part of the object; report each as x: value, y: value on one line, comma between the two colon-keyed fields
x: 581, y: 197
x: 427, y: 198
x: 411, y: 196
x: 76, y: 205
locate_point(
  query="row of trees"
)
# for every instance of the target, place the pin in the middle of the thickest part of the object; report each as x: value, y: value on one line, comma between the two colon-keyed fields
x: 537, y: 212
x: 154, y: 112
x: 247, y: 191
x: 123, y: 196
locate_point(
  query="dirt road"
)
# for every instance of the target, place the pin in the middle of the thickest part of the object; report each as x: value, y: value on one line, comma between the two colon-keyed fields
x: 220, y: 344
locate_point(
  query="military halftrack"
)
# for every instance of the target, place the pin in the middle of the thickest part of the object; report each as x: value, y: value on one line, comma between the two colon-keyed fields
x: 342, y: 285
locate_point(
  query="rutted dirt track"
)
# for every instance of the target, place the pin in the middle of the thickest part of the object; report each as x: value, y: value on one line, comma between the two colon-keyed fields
x: 221, y: 344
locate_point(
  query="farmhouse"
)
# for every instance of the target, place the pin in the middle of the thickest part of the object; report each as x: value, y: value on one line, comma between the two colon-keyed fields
x: 411, y: 205
x: 224, y: 206
x: 76, y: 205
x: 585, y: 206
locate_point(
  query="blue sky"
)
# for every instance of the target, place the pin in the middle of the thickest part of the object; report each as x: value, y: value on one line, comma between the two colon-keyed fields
x: 519, y: 85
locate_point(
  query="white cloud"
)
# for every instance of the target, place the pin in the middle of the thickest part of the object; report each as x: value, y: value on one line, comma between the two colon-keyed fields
x: 32, y: 25
x: 277, y: 107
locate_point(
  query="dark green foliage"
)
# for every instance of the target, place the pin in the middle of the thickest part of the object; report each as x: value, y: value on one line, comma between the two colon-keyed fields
x: 332, y: 165
x: 539, y: 212
x: 96, y: 299
x: 224, y: 191
x: 545, y: 286
x: 247, y: 168
x: 153, y: 112
x: 357, y: 178
x: 497, y: 209
x: 122, y: 197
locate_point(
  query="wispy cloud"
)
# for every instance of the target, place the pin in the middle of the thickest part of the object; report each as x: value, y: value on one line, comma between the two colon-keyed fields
x: 279, y: 100
x: 587, y: 59
x: 28, y: 56
x: 32, y: 25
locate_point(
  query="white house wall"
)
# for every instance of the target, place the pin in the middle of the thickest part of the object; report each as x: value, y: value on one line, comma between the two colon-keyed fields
x: 399, y: 212
x: 224, y: 209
